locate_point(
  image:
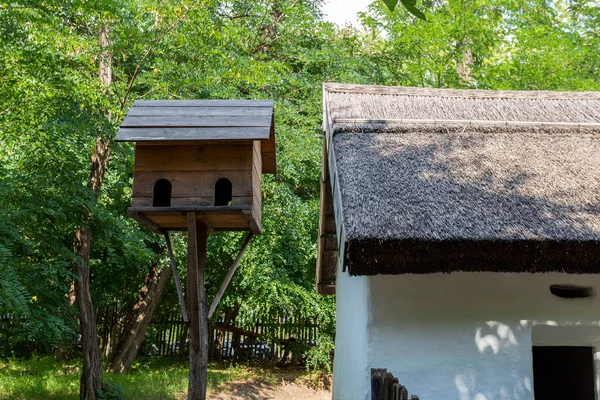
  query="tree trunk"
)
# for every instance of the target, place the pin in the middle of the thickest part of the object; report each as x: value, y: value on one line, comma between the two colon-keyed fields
x: 464, y: 66
x: 138, y: 319
x: 91, y: 377
x: 269, y: 32
x: 198, y: 348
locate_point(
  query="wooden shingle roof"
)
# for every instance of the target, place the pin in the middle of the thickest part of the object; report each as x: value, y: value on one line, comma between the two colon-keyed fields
x: 202, y: 120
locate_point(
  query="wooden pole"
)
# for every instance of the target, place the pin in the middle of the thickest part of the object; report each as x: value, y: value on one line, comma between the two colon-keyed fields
x: 197, y: 235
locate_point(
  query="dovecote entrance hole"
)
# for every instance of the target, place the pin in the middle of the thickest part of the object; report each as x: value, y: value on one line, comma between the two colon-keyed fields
x: 162, y: 193
x: 223, y: 191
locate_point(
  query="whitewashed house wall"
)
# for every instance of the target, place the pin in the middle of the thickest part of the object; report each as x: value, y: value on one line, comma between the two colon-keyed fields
x: 351, y: 375
x: 459, y: 336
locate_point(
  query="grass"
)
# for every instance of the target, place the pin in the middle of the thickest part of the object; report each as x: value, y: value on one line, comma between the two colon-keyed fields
x: 153, y: 378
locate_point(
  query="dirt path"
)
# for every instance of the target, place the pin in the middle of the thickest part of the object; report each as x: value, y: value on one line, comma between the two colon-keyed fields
x: 260, y: 390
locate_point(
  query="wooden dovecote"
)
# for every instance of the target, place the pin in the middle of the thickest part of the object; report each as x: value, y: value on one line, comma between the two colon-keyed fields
x: 202, y: 156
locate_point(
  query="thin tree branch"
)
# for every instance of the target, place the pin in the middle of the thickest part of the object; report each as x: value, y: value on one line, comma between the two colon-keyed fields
x: 262, y: 23
x: 6, y: 110
x: 149, y: 50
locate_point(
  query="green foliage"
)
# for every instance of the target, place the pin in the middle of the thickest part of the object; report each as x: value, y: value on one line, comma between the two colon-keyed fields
x: 53, y: 106
x: 410, y: 5
x: 12, y: 293
x: 111, y: 391
x: 320, y: 357
x: 489, y: 44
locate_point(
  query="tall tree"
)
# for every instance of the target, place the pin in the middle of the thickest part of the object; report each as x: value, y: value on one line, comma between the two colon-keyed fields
x: 91, y: 377
x: 138, y: 319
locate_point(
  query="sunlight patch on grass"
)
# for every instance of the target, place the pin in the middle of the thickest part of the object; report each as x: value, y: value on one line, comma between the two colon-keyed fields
x: 149, y: 379
x: 38, y: 378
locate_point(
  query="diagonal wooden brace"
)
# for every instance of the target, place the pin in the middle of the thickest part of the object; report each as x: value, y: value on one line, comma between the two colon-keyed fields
x: 176, y: 277
x: 229, y: 275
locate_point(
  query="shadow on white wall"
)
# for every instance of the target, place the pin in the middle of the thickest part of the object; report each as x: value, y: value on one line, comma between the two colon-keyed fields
x: 501, y: 336
x: 492, y: 338
x: 466, y: 382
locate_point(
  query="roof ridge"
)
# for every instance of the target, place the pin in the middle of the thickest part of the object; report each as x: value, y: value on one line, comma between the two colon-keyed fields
x: 465, y: 122
x: 459, y: 93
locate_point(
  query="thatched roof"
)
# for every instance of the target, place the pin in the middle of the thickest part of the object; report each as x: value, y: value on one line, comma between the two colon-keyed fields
x: 186, y: 121
x: 447, y: 180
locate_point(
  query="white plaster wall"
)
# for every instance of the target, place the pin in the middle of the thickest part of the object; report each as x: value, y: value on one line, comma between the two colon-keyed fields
x: 350, y: 376
x: 468, y: 336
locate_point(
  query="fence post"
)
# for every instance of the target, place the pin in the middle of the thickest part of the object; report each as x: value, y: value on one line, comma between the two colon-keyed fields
x: 385, y: 386
x: 404, y: 394
x: 396, y: 389
x: 388, y: 383
x: 377, y: 387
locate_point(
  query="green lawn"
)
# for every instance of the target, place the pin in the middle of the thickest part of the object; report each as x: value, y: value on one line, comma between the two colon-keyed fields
x: 158, y: 378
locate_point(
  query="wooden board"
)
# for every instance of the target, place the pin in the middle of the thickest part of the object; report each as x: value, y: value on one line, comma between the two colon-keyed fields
x: 163, y: 143
x: 268, y: 153
x: 204, y: 103
x: 200, y: 111
x: 256, y: 188
x: 215, y: 221
x: 182, y: 211
x: 269, y: 163
x: 232, y: 219
x: 222, y: 133
x: 255, y: 222
x: 193, y: 184
x: 187, y: 202
x: 193, y: 158
x: 197, y: 121
x: 267, y: 146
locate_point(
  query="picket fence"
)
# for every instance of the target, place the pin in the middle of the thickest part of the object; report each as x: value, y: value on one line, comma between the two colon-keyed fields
x: 248, y: 339
x: 384, y: 386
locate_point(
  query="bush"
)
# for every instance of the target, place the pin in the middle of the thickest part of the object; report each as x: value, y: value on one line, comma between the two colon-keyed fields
x: 111, y: 391
x: 320, y: 357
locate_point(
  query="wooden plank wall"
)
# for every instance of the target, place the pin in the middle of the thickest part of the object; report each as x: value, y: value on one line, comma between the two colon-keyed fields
x: 193, y: 173
x: 327, y: 253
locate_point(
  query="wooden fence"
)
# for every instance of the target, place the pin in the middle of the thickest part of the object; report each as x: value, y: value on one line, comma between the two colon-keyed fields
x: 283, y: 337
x: 384, y: 386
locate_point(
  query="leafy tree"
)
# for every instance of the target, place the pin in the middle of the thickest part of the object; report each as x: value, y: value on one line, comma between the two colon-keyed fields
x: 410, y: 5
x: 57, y: 111
x: 493, y: 44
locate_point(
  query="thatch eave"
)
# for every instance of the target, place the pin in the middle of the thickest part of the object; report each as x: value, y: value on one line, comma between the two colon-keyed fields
x: 393, y: 256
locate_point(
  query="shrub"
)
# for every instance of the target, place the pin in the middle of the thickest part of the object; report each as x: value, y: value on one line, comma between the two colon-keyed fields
x: 111, y: 391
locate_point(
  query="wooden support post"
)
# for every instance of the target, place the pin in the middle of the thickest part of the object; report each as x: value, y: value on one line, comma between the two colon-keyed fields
x: 197, y: 235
